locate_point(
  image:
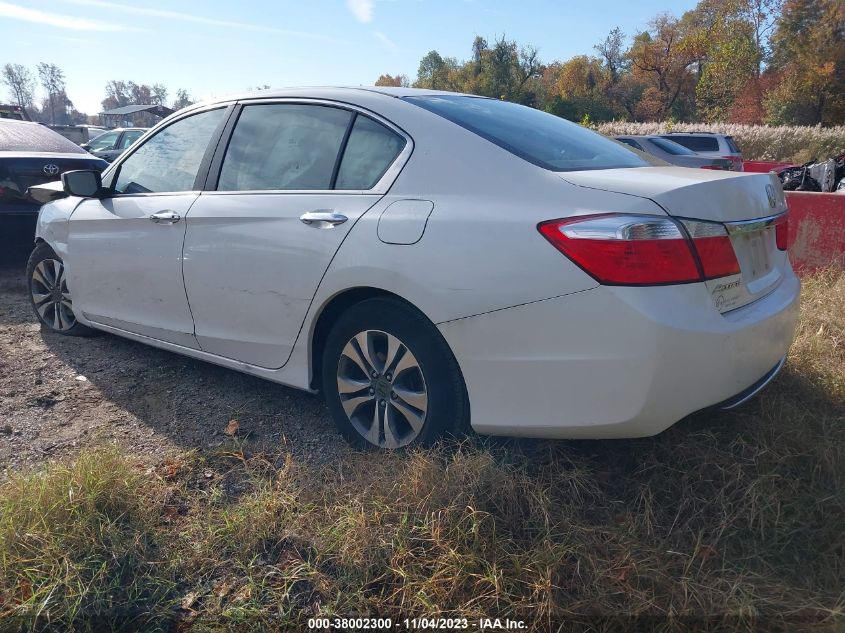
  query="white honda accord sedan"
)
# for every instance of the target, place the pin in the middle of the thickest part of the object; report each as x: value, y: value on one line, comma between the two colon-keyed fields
x: 431, y: 262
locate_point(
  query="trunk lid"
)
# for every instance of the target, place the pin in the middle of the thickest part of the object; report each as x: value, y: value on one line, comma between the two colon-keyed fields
x: 743, y: 203
x: 19, y: 171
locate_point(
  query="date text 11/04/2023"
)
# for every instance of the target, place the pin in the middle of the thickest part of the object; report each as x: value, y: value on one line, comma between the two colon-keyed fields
x: 416, y: 624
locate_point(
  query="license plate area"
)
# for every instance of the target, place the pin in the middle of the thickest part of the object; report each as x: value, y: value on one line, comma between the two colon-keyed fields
x: 754, y: 252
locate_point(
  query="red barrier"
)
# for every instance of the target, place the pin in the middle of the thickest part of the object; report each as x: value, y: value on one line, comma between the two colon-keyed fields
x: 763, y: 166
x: 816, y: 229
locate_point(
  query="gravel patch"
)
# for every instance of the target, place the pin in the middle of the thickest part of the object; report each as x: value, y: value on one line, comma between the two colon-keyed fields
x: 60, y: 394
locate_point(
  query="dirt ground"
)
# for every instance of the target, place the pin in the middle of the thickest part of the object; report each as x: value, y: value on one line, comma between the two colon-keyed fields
x: 61, y: 394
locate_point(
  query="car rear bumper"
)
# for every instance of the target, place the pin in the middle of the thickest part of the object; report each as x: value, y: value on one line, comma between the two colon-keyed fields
x: 618, y: 362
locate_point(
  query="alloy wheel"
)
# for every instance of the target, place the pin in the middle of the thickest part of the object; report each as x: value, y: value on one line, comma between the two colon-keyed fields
x: 50, y: 295
x: 382, y: 389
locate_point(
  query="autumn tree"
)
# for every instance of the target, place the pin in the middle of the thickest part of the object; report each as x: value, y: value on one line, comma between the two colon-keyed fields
x: 612, y: 51
x: 433, y: 72
x: 722, y: 38
x: 397, y: 81
x: 808, y: 59
x: 21, y: 84
x: 582, y: 90
x: 663, y: 58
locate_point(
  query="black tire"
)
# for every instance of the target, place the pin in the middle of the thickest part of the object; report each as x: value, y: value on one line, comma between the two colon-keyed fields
x: 447, y: 405
x: 43, y: 253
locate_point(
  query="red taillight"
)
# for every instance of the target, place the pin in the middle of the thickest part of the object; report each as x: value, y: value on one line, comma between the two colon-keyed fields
x: 625, y: 249
x: 782, y: 233
x: 714, y: 248
x: 643, y: 250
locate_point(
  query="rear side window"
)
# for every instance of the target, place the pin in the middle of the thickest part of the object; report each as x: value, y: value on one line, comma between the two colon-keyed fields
x: 671, y: 147
x: 370, y: 150
x: 284, y: 147
x: 732, y: 146
x: 169, y: 161
x: 696, y: 143
x: 538, y: 137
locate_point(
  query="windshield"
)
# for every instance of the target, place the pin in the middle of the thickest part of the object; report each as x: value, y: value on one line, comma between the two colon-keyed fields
x: 22, y: 136
x: 538, y: 137
x: 671, y: 147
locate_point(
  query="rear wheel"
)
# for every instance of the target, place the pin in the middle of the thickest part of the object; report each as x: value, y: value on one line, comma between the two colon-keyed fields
x: 389, y: 378
x: 49, y: 294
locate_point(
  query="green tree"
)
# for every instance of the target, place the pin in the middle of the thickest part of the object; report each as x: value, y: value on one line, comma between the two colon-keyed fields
x: 21, y: 84
x: 53, y: 81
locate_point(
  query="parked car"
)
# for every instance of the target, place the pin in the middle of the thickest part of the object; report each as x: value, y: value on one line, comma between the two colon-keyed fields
x: 674, y: 153
x: 418, y: 256
x: 79, y: 134
x: 709, y: 144
x: 14, y: 112
x: 113, y: 143
x: 31, y: 154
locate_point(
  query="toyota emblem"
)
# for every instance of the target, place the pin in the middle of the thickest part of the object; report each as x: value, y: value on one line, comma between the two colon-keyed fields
x: 51, y: 169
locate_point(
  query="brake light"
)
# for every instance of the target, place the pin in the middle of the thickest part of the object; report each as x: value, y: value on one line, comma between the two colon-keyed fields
x: 782, y: 233
x: 625, y: 249
x: 717, y: 167
x: 714, y: 248
x: 633, y: 250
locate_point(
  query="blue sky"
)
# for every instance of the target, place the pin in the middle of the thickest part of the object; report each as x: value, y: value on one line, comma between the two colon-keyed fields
x: 214, y: 47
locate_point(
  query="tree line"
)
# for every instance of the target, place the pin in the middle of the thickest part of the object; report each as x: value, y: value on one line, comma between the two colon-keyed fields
x: 743, y: 61
x: 55, y: 107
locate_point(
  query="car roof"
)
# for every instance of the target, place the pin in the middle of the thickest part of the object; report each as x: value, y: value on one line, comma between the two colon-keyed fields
x: 330, y: 92
x: 693, y: 134
x: 124, y: 129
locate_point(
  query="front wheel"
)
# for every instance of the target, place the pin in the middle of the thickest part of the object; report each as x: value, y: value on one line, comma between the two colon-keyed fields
x: 49, y: 294
x: 389, y: 378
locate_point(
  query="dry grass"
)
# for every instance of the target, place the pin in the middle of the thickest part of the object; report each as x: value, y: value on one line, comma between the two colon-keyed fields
x: 725, y: 522
x: 798, y: 143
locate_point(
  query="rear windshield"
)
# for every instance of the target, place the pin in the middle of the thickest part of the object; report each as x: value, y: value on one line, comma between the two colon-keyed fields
x: 33, y: 137
x: 697, y: 143
x: 671, y: 147
x: 540, y: 138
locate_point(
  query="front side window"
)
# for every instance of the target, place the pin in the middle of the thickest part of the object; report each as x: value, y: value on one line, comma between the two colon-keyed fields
x: 284, y: 146
x: 169, y: 161
x: 540, y: 138
x: 103, y: 142
x: 369, y: 152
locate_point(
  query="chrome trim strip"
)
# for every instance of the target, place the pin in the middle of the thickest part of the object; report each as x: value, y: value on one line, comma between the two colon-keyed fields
x: 746, y: 226
x: 746, y: 397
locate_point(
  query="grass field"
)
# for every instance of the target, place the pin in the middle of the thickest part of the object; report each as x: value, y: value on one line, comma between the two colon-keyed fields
x: 728, y: 521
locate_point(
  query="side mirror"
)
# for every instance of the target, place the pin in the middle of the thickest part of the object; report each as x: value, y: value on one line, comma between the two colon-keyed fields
x: 85, y: 146
x: 82, y: 183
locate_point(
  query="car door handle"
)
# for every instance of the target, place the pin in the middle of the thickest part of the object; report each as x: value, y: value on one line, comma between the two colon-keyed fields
x: 165, y: 217
x: 322, y: 219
